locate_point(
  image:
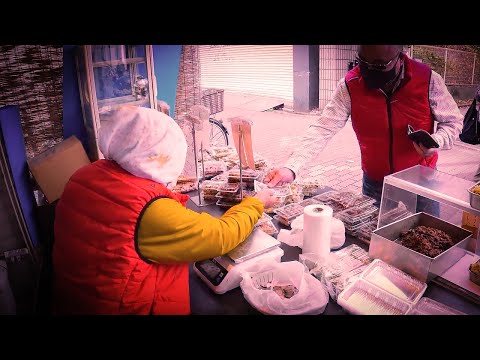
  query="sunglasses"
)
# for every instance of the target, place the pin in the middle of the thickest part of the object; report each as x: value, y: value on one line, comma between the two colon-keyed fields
x: 380, y: 67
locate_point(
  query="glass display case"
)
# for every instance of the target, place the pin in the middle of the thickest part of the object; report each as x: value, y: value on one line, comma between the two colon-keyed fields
x: 110, y: 76
x: 418, y: 190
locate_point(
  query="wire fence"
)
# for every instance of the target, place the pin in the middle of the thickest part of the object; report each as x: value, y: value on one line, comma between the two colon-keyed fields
x: 457, y: 67
x: 334, y: 60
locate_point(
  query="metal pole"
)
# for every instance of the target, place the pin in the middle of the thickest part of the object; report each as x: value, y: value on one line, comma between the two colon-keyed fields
x: 240, y: 148
x: 473, y: 70
x: 445, y: 70
x: 203, y: 174
x: 196, y: 163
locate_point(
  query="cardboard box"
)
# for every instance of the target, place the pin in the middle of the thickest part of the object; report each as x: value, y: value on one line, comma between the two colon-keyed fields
x: 53, y: 168
x: 471, y: 222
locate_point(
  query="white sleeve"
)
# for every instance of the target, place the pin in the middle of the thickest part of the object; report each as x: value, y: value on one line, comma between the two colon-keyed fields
x: 445, y: 112
x: 333, y: 119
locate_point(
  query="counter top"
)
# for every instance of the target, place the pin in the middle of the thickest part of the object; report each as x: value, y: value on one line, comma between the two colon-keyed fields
x: 203, y: 301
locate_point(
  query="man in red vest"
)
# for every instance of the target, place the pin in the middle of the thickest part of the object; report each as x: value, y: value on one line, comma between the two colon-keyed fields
x: 383, y: 94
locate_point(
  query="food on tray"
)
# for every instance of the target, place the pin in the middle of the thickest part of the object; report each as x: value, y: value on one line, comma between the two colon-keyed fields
x: 361, y: 200
x: 280, y: 201
x: 290, y: 212
x: 220, y: 152
x: 285, y: 291
x: 476, y: 189
x: 475, y: 267
x: 311, y: 187
x: 267, y: 227
x: 228, y: 188
x: 185, y: 187
x: 212, y: 168
x: 235, y: 197
x: 426, y: 240
x: 186, y: 179
x: 310, y: 201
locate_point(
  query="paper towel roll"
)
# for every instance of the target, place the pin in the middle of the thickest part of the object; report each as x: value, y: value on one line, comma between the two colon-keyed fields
x: 317, y: 229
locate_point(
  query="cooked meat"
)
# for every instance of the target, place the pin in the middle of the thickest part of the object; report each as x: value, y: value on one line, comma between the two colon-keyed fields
x: 426, y: 240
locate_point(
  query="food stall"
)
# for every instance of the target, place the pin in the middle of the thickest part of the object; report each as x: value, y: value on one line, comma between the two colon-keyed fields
x: 446, y: 282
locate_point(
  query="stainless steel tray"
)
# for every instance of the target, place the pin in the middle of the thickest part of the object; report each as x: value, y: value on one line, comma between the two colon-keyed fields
x: 474, y: 198
x: 424, y: 268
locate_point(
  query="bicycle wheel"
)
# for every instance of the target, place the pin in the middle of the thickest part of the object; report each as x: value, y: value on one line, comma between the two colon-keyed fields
x: 218, y: 133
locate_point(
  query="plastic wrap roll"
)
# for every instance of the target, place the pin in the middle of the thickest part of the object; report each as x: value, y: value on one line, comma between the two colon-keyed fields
x: 317, y: 229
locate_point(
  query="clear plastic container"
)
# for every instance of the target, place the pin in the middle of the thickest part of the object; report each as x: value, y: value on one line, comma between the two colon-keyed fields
x: 265, y: 217
x: 361, y: 200
x: 341, y: 267
x: 363, y: 298
x: 356, y: 212
x: 312, y: 187
x: 394, y: 281
x: 279, y: 202
x: 364, y: 233
x: 342, y: 197
x: 325, y: 197
x: 268, y: 227
x: 228, y: 188
x: 310, y: 201
x: 289, y: 212
x: 427, y: 306
x: 282, y: 220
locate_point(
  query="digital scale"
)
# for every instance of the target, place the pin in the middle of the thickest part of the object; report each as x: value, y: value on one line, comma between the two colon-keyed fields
x: 223, y: 273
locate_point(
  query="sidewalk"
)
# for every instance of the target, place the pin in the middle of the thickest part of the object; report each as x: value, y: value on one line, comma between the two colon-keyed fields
x: 277, y: 133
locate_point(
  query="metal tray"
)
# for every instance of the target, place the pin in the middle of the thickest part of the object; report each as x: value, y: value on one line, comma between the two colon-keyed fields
x: 424, y: 268
x: 474, y: 198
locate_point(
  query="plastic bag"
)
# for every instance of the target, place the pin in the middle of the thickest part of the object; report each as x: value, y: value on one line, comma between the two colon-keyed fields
x: 283, y: 289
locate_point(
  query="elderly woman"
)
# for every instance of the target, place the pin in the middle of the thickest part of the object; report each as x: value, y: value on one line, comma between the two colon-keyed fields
x: 123, y: 239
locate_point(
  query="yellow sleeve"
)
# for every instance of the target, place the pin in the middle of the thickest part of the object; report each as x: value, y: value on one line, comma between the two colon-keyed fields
x: 168, y: 232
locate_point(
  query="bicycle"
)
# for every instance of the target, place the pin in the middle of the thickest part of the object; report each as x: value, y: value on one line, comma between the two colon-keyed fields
x: 218, y: 133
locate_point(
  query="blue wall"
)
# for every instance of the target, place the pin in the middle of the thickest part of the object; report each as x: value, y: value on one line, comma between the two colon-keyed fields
x: 166, y: 59
x: 11, y: 130
x: 72, y: 107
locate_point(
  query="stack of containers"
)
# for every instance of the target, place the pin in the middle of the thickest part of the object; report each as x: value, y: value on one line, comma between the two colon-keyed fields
x: 382, y: 290
x: 286, y: 214
x: 356, y: 217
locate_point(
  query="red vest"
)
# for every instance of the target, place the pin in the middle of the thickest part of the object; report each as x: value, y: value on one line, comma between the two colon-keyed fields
x: 380, y: 123
x: 97, y: 267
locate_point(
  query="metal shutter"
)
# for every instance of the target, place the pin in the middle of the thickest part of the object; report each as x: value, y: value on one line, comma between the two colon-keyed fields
x: 251, y: 69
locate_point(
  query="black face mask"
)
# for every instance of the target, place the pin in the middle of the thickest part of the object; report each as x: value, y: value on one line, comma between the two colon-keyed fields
x: 376, y: 79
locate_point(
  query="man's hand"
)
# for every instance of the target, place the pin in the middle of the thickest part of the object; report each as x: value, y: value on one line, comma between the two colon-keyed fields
x: 279, y: 177
x: 425, y: 152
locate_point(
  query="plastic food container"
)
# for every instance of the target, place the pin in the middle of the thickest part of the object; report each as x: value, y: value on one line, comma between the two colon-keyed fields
x: 325, y: 197
x: 394, y: 281
x: 361, y: 200
x: 427, y: 306
x: 289, y: 212
x: 474, y: 197
x: 310, y: 201
x: 364, y: 233
x: 267, y: 227
x: 363, y: 298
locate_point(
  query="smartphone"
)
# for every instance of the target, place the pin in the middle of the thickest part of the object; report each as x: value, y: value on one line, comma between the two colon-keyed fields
x: 421, y: 137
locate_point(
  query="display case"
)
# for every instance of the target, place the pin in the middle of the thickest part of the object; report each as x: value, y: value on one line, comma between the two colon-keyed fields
x: 110, y: 76
x: 424, y: 196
